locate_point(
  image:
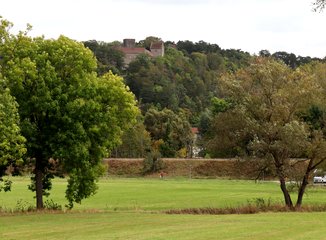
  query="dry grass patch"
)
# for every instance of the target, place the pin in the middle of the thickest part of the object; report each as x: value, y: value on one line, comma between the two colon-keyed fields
x: 258, y: 206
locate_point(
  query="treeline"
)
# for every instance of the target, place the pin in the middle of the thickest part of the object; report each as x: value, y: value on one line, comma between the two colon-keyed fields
x: 178, y: 92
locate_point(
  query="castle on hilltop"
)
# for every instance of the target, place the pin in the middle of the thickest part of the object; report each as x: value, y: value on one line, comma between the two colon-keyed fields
x: 131, y: 51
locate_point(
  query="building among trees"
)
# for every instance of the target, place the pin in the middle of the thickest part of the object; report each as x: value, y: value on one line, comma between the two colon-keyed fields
x: 131, y: 51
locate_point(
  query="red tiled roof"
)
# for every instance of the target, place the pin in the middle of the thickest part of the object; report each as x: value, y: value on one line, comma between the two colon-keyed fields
x: 126, y: 50
x: 132, y: 50
x: 194, y: 130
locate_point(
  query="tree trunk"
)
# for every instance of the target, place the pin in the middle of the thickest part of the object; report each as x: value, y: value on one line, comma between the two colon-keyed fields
x: 287, y: 197
x: 281, y: 176
x: 39, y: 185
x: 302, y: 190
x: 304, y: 184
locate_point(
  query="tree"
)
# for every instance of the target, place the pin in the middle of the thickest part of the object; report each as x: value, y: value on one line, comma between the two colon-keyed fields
x: 70, y: 117
x: 146, y: 43
x: 235, y: 59
x: 12, y: 146
x: 152, y: 162
x: 12, y: 142
x: 108, y: 55
x: 135, y: 142
x: 289, y: 59
x: 264, y: 53
x: 171, y: 131
x: 265, y: 120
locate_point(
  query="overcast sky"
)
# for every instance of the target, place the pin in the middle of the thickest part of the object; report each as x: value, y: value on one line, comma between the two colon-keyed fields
x: 250, y: 25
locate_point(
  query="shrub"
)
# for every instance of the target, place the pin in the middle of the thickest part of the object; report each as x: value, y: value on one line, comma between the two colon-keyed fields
x: 23, y: 206
x: 152, y: 163
x: 51, y: 205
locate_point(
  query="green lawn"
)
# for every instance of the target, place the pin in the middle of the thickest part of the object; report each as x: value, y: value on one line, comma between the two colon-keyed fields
x: 130, y: 209
x: 130, y: 194
x: 138, y: 226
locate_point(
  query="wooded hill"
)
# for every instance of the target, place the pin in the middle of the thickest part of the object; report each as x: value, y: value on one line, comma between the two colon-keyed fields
x: 178, y: 91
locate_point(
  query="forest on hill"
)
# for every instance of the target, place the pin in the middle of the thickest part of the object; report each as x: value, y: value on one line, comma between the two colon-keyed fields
x: 182, y: 91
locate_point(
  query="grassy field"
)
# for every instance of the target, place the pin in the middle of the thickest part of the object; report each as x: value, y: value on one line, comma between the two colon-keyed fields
x: 149, y: 226
x: 131, y: 209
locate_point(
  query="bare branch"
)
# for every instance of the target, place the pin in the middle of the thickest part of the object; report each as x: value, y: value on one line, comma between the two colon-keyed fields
x: 319, y: 5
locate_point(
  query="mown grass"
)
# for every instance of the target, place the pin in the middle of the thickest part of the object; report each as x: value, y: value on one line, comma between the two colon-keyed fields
x: 153, y: 194
x: 140, y: 226
x: 144, y: 194
x: 133, y: 209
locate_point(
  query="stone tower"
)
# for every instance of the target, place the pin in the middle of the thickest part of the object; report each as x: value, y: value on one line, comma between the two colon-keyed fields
x: 129, y: 43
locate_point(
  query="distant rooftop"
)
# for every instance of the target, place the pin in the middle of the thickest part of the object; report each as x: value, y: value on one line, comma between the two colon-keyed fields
x: 135, y: 50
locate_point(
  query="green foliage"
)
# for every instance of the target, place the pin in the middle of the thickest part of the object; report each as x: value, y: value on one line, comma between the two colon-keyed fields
x: 109, y: 57
x: 235, y: 59
x: 201, y: 46
x: 171, y: 131
x: 81, y: 184
x: 152, y: 162
x: 265, y: 121
x: 70, y: 117
x: 51, y: 205
x: 23, y: 206
x: 12, y: 146
x: 219, y: 105
x: 146, y: 43
x: 174, y: 81
x: 135, y: 142
x: 12, y: 143
x: 289, y: 59
x: 5, y: 185
x: 46, y: 184
x: 315, y: 117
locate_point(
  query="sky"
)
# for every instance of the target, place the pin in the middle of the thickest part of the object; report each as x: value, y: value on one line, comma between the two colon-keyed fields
x: 249, y: 25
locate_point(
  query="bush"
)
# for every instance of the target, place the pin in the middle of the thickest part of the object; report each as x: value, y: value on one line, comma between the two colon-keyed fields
x: 152, y: 163
x: 23, y: 206
x: 51, y: 205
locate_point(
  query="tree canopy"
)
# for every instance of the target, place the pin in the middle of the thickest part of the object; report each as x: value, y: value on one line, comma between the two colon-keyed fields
x: 70, y: 117
x: 170, y: 132
x: 265, y: 120
x: 12, y: 146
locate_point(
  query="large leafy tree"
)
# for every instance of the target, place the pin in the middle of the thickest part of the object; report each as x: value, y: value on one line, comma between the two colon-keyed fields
x: 70, y: 117
x: 170, y: 131
x: 11, y: 141
x: 265, y: 120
